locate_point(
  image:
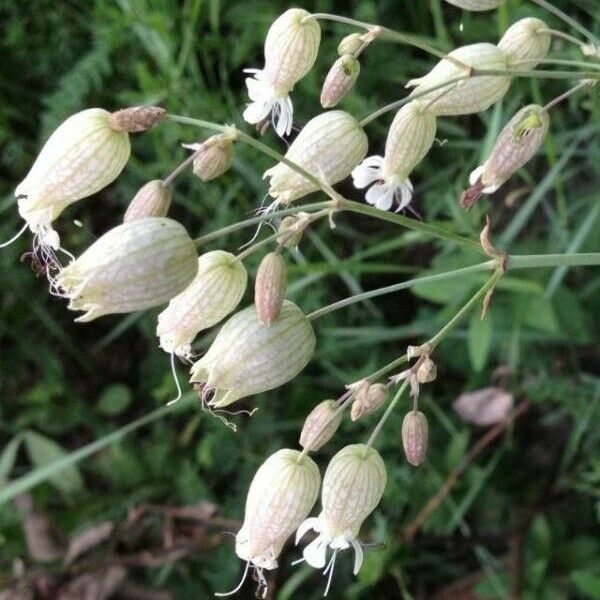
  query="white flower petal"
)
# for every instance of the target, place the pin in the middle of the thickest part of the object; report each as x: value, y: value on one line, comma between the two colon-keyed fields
x: 381, y: 195
x: 306, y: 526
x: 358, y: 555
x: 367, y: 172
x: 315, y: 553
x: 405, y: 190
x: 476, y: 174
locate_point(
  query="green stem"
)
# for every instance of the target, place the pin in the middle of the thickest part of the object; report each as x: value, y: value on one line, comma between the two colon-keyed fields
x: 535, y: 261
x: 387, y: 413
x: 390, y: 289
x: 373, y: 377
x: 568, y: 20
x: 564, y: 36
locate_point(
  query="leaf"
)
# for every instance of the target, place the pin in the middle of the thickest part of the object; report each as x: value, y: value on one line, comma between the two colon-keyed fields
x: 537, y: 312
x: 8, y: 458
x: 44, y: 541
x: 479, y: 340
x: 114, y: 400
x: 43, y: 451
x: 586, y: 582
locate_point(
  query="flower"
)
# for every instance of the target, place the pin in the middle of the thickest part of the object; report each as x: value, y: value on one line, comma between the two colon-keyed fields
x: 410, y: 137
x: 134, y: 266
x: 269, y: 287
x: 82, y: 156
x: 320, y: 425
x: 281, y: 495
x: 415, y: 434
x: 248, y: 358
x: 330, y: 146
x: 484, y: 407
x: 352, y: 488
x: 470, y: 95
x: 291, y: 49
x: 516, y: 144
x: 525, y: 43
x: 476, y: 5
x: 340, y: 80
x: 215, y: 291
x: 152, y: 200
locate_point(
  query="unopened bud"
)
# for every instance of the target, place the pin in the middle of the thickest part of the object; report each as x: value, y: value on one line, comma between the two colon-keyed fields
x: 427, y: 371
x: 476, y: 5
x: 137, y: 118
x: 291, y: 231
x: 484, y: 407
x: 415, y: 434
x: 525, y: 43
x: 340, y: 80
x: 152, y: 200
x: 269, y: 289
x: 350, y: 44
x: 369, y: 398
x: 215, y: 157
x: 320, y: 425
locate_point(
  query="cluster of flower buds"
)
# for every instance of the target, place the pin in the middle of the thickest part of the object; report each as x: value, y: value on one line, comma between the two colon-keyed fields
x: 320, y: 425
x: 269, y: 287
x: 329, y: 146
x: 152, y: 200
x: 215, y: 291
x: 247, y: 357
x: 214, y: 156
x: 410, y: 137
x: 368, y: 398
x: 516, y: 144
x: 477, y: 5
x: 291, y: 48
x: 352, y: 488
x: 134, y: 266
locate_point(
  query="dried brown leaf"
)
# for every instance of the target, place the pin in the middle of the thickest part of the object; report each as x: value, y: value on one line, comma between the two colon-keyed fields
x: 98, y: 585
x: 88, y: 539
x: 44, y: 541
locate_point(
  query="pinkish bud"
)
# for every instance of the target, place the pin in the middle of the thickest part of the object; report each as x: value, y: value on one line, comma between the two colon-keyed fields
x: 269, y: 288
x: 350, y: 44
x: 320, y: 425
x: 340, y: 80
x: 215, y: 157
x: 291, y: 229
x: 137, y: 118
x: 415, y: 434
x: 151, y: 200
x: 427, y: 371
x: 369, y: 398
x: 484, y: 407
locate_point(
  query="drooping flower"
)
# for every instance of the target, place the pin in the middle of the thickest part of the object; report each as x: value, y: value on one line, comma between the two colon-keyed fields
x: 269, y: 287
x: 471, y: 94
x: 410, y: 137
x: 152, y: 200
x: 329, y: 147
x: 281, y: 495
x: 134, y: 266
x: 247, y: 357
x: 516, y: 144
x: 352, y: 488
x: 525, y: 43
x: 215, y: 291
x: 340, y: 80
x: 82, y: 156
x: 291, y: 49
x: 320, y: 425
x: 477, y: 5
x: 415, y: 435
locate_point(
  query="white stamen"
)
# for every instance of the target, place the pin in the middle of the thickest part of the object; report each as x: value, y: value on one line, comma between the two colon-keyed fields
x: 329, y: 568
x: 174, y: 371
x: 15, y: 237
x: 239, y: 586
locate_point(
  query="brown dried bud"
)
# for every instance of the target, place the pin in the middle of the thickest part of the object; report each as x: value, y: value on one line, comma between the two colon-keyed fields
x: 320, y: 425
x: 415, y: 434
x: 340, y: 80
x: 137, y: 118
x: 215, y: 157
x: 350, y: 44
x: 269, y: 288
x: 151, y: 200
x: 484, y: 407
x: 427, y: 371
x: 291, y: 231
x: 369, y: 398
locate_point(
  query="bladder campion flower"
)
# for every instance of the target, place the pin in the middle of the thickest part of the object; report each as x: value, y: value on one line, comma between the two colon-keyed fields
x: 320, y: 425
x: 415, y: 434
x: 152, y: 200
x: 291, y: 49
x: 248, y: 358
x: 281, y: 495
x: 215, y: 291
x: 477, y: 5
x: 134, y: 266
x: 340, y: 80
x: 469, y: 95
x: 352, y: 488
x: 269, y: 288
x: 516, y: 144
x: 525, y: 43
x: 330, y: 146
x: 409, y: 139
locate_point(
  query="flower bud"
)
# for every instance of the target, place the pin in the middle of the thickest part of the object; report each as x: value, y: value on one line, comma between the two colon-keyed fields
x: 82, y: 156
x: 151, y: 200
x: 340, y: 80
x: 350, y: 44
x: 291, y: 231
x: 137, y: 119
x: 410, y: 137
x: 215, y: 159
x: 248, y: 358
x: 484, y: 407
x: 369, y: 399
x: 516, y: 144
x: 524, y: 44
x: 132, y: 267
x: 352, y: 488
x: 320, y: 425
x: 330, y: 146
x: 281, y: 495
x: 426, y: 372
x: 476, y: 5
x: 415, y: 434
x: 215, y: 291
x: 470, y: 95
x: 269, y: 289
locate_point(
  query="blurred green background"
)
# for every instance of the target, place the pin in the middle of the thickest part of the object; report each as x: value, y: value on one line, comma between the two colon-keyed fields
x: 522, y: 521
